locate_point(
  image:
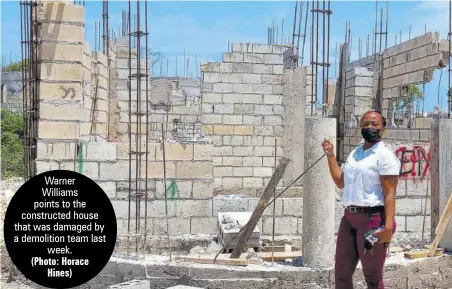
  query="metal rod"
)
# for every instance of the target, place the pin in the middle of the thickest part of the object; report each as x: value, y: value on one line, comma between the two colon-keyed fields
x: 387, y: 24
x: 274, y: 205
x: 312, y: 57
x: 449, y: 97
x: 305, y: 30
x: 323, y: 55
x: 147, y: 121
x: 375, y: 30
x: 294, y: 23
x: 282, y: 37
x: 298, y: 34
x: 166, y: 194
x: 130, y: 127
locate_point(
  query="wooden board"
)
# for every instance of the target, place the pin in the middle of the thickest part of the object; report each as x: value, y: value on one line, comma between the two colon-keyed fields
x: 422, y: 254
x: 221, y: 260
x: 224, y: 259
x: 279, y: 256
x: 259, y: 210
x: 442, y: 224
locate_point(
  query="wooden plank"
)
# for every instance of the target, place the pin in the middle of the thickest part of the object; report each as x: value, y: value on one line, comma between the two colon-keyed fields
x: 223, y: 259
x: 288, y: 248
x: 439, y: 232
x: 279, y: 256
x: 259, y: 210
x: 422, y: 254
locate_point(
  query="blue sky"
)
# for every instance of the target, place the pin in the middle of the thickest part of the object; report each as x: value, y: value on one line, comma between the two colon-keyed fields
x: 204, y: 28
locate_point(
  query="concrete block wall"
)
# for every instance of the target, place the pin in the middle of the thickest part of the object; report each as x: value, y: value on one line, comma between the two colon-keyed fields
x: 168, y: 99
x: 311, y: 83
x: 61, y: 77
x: 412, y: 147
x: 358, y: 93
x: 407, y: 63
x: 242, y: 112
x: 329, y: 98
x: 95, y: 99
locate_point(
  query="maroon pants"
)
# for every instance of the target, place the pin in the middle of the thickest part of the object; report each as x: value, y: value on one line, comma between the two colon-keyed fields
x: 350, y: 249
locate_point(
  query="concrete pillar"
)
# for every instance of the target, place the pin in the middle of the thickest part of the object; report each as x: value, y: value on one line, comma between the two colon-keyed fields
x: 441, y: 171
x: 294, y: 94
x: 319, y: 196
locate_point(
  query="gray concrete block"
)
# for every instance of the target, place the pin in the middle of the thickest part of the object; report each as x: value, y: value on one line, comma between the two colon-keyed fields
x: 243, y: 151
x: 177, y: 226
x: 262, y: 48
x: 242, y: 67
x: 417, y: 223
x: 243, y: 109
x: 409, y: 206
x: 232, y: 119
x: 102, y: 151
x: 273, y: 59
x: 263, y: 130
x: 211, y: 119
x: 263, y: 109
x: 273, y: 99
x: 231, y: 77
x: 212, y: 77
x: 233, y: 57
x: 232, y: 98
x: 242, y: 88
x: 252, y: 161
x: 232, y: 161
x: 273, y: 120
x: 283, y: 226
x: 241, y: 47
x: 252, y: 78
x: 253, y: 58
x: 233, y: 140
x: 222, y: 88
x: 252, y: 120
x: 263, y: 68
x: 252, y: 203
x: 263, y: 89
x: 253, y: 140
x: 203, y: 225
x: 193, y: 208
x: 230, y: 205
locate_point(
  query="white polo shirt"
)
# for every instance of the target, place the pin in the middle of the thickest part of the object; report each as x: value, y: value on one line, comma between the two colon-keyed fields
x: 362, y: 172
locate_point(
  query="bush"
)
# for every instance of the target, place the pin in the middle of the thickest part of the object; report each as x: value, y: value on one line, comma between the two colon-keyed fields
x: 12, y: 145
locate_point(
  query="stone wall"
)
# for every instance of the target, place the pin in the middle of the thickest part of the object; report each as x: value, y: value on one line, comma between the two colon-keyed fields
x: 242, y: 112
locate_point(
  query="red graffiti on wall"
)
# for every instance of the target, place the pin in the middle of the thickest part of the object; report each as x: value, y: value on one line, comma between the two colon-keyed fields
x: 415, y: 162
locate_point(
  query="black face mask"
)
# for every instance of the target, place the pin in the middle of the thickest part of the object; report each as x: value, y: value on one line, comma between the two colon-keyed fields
x: 371, y: 135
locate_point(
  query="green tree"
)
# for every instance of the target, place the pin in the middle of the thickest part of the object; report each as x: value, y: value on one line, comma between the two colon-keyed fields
x: 413, y: 93
x: 15, y: 66
x: 12, y: 145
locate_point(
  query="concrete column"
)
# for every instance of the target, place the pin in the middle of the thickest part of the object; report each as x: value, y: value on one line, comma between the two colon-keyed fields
x: 294, y: 94
x: 441, y: 170
x: 319, y: 197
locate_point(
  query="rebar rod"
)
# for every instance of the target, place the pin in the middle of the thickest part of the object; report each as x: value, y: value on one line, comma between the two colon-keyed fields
x: 147, y: 122
x: 305, y: 30
x: 375, y: 31
x: 449, y: 96
x: 312, y: 57
x: 387, y: 24
x: 328, y: 48
x: 323, y: 55
x: 274, y: 204
x: 294, y: 23
x: 130, y: 128
x: 166, y: 194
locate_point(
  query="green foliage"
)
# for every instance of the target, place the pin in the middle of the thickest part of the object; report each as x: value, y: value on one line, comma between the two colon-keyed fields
x: 12, y: 145
x: 15, y: 66
x: 413, y: 93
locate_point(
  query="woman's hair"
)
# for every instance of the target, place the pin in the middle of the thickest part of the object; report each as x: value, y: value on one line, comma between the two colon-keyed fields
x: 383, y: 119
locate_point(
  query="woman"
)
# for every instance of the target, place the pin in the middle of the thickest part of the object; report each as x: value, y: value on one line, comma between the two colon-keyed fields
x: 369, y: 179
